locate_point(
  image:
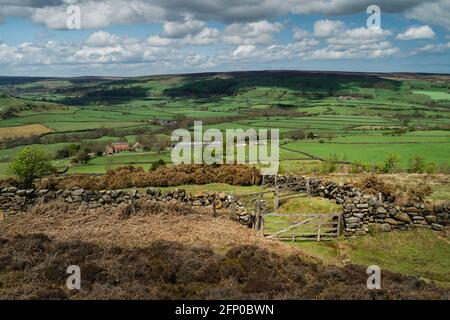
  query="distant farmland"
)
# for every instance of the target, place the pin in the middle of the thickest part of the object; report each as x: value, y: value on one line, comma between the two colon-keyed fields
x: 23, y: 131
x: 357, y: 117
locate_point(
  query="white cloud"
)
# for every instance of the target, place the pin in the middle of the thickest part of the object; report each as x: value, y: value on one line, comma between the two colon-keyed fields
x: 415, y: 33
x: 327, y: 28
x: 299, y: 34
x: 205, y: 37
x: 259, y: 32
x: 159, y: 41
x: 344, y: 7
x: 97, y: 14
x: 432, y: 12
x: 102, y: 13
x: 353, y: 43
x: 245, y: 51
x: 189, y: 26
x: 433, y: 48
x: 101, y: 38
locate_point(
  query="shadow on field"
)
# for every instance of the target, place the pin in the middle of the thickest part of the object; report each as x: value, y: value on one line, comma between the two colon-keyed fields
x: 307, y: 84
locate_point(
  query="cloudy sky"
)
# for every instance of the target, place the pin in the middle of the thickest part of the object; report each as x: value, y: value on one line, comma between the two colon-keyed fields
x: 143, y: 37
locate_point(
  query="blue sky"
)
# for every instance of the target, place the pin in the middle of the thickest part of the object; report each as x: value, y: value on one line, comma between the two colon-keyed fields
x: 143, y: 37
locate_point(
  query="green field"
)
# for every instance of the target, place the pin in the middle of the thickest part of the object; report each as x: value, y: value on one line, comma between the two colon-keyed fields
x: 421, y: 253
x: 435, y: 95
x: 356, y: 117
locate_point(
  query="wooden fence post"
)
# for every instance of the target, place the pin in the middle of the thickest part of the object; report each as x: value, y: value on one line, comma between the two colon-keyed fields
x: 338, y: 236
x: 258, y: 214
x: 318, y: 231
x: 275, y: 196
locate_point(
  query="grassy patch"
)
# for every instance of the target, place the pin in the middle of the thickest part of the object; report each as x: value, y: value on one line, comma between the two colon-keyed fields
x: 422, y: 253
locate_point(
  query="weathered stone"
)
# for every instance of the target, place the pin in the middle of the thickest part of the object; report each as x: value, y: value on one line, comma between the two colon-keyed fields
x: 77, y: 192
x: 21, y: 193
x: 412, y: 210
x: 437, y: 227
x: 218, y: 204
x: 391, y: 221
x: 430, y: 219
x: 383, y: 227
x: 353, y: 220
x: 197, y: 203
x: 381, y: 210
x: 42, y: 192
x: 403, y: 217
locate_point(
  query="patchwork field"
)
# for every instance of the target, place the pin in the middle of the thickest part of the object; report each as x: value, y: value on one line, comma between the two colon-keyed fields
x: 361, y: 118
x: 24, y: 131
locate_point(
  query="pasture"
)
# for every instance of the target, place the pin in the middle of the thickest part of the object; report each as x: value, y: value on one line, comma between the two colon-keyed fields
x: 354, y: 116
x: 23, y: 131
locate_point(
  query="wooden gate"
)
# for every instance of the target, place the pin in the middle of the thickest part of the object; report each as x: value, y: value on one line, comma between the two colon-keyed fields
x: 286, y: 226
x: 298, y: 227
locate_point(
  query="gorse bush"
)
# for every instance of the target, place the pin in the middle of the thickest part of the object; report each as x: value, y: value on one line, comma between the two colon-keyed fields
x: 417, y: 165
x: 163, y: 176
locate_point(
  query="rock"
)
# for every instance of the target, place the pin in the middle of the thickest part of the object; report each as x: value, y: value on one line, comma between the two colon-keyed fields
x: 391, y: 221
x: 21, y: 193
x: 42, y: 192
x: 437, y: 227
x: 418, y: 218
x: 353, y: 220
x: 430, y: 219
x: 383, y: 227
x: 403, y: 217
x: 412, y: 210
x: 78, y: 192
x: 218, y: 204
x: 381, y: 210
x: 362, y: 205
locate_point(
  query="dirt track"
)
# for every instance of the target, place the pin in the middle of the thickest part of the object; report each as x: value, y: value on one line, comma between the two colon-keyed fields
x: 167, y: 253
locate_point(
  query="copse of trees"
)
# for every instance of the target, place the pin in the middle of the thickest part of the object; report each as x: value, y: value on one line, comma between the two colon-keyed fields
x: 155, y: 143
x: 68, y: 151
x: 30, y: 164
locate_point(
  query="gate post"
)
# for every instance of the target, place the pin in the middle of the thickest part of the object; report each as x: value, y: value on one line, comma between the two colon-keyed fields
x: 275, y: 195
x: 259, y: 213
x: 338, y: 236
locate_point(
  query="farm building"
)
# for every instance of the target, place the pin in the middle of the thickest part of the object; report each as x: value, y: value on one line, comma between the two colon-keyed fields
x: 117, y: 147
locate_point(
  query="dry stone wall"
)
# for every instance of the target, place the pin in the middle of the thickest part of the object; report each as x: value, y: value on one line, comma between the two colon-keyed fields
x: 361, y: 211
x: 13, y: 200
